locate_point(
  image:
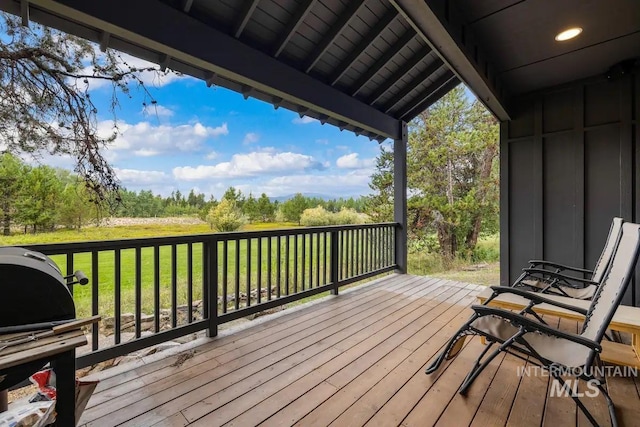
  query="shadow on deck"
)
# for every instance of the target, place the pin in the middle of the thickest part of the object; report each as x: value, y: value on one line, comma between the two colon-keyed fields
x: 356, y: 359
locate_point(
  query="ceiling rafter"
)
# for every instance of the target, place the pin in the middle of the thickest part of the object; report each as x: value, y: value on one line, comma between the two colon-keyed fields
x: 245, y: 15
x: 412, y: 63
x: 382, y: 62
x: 407, y: 89
x: 343, y: 20
x: 186, y: 5
x: 364, y: 44
x: 24, y: 12
x: 297, y: 19
x: 429, y: 96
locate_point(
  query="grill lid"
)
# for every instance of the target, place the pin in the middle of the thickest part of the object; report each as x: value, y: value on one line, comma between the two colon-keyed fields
x: 32, y: 289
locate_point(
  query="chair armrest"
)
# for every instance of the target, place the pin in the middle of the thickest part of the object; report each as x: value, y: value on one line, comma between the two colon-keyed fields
x: 535, y: 262
x: 559, y: 276
x: 532, y: 326
x: 536, y: 298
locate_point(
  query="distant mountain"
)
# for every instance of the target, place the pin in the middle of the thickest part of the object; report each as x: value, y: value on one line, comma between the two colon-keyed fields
x: 281, y: 199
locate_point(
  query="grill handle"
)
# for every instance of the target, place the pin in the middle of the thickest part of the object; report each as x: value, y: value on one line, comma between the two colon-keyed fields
x: 81, y: 278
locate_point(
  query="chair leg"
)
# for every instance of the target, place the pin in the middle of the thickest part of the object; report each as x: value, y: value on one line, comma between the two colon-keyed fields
x: 610, y: 406
x: 444, y: 354
x: 585, y: 411
x: 479, y: 367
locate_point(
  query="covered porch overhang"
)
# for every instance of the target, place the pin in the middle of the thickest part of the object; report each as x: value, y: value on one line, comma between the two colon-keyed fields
x: 569, y: 112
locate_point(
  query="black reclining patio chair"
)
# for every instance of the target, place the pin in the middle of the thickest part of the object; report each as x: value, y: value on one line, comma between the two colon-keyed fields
x: 549, y: 347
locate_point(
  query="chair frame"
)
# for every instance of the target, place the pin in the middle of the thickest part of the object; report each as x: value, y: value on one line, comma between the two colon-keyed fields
x: 556, y: 278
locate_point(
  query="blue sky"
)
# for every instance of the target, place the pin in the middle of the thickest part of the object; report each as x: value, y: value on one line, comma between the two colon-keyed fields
x: 211, y: 138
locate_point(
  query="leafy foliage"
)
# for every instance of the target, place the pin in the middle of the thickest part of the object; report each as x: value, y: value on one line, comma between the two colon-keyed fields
x: 45, y: 104
x: 226, y: 216
x: 452, y: 175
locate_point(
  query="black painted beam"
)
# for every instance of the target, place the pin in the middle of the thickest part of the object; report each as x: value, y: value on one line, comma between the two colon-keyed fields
x: 429, y: 97
x: 334, y: 32
x: 441, y: 26
x: 203, y: 50
x: 399, y: 74
x: 297, y: 19
x: 382, y: 61
x: 364, y: 44
x: 245, y: 15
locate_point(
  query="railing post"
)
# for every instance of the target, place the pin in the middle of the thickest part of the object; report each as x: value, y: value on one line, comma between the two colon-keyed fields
x: 335, y: 262
x: 210, y: 276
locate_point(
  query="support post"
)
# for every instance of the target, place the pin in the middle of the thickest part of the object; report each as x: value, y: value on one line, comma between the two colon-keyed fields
x: 400, y: 197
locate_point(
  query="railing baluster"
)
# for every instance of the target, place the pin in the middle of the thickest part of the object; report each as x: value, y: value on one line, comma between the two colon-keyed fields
x: 353, y: 252
x: 94, y: 298
x: 138, y: 286
x: 287, y: 254
x: 210, y: 270
x: 70, y: 269
x: 295, y: 264
x: 324, y: 248
x: 117, y: 297
x: 341, y: 254
x: 310, y: 260
x: 269, y: 239
x: 278, y: 266
x: 174, y: 286
x: 304, y: 257
x: 259, y: 272
x: 318, y: 259
x: 225, y: 274
x: 156, y: 287
x: 237, y: 274
x: 248, y: 304
x: 190, y: 282
x: 336, y: 259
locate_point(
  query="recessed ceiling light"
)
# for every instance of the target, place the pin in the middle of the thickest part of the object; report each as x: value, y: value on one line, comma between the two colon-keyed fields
x: 568, y: 34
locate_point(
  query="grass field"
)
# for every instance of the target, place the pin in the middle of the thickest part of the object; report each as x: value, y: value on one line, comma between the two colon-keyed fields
x: 419, y: 263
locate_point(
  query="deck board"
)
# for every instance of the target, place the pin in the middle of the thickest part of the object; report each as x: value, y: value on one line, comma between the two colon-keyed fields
x: 355, y: 359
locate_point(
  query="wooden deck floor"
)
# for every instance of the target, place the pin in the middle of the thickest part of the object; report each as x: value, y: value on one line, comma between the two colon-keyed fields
x: 356, y: 359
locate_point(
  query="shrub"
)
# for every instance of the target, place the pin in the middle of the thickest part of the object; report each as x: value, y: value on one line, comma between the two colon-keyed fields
x: 315, y: 217
x: 226, y: 216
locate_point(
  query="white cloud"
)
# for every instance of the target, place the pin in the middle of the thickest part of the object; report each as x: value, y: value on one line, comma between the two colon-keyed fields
x: 322, y: 141
x: 351, y: 183
x: 211, y: 155
x: 250, y: 138
x: 140, y: 178
x: 304, y: 120
x: 351, y: 161
x: 247, y: 165
x: 155, y: 110
x: 145, y: 139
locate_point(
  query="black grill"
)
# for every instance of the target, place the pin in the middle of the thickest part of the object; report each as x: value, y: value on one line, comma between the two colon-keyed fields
x: 32, y: 290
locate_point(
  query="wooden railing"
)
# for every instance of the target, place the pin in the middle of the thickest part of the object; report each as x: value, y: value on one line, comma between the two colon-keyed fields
x: 163, y: 288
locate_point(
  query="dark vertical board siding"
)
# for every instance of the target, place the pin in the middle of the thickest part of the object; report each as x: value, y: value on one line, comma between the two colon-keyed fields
x: 558, y: 111
x: 602, y: 183
x: 601, y: 103
x: 521, y: 232
x: 586, y: 134
x: 559, y: 198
